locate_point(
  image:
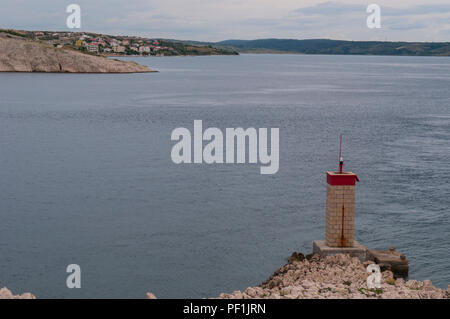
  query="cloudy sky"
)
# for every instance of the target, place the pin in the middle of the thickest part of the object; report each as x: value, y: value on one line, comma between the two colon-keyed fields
x: 215, y: 20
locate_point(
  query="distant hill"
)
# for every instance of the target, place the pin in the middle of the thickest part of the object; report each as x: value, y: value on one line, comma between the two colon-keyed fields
x: 110, y: 45
x: 325, y: 46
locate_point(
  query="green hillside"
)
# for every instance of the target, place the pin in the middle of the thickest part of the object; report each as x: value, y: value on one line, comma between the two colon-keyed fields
x: 324, y: 46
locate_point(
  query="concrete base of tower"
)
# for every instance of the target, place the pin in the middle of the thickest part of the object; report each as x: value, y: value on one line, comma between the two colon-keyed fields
x: 358, y: 250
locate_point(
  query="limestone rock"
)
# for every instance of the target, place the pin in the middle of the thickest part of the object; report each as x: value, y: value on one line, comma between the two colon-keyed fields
x: 5, y: 293
x: 149, y: 295
x: 335, y: 277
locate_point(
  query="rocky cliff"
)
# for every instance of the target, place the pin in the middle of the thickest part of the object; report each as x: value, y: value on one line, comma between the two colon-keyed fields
x: 19, y: 54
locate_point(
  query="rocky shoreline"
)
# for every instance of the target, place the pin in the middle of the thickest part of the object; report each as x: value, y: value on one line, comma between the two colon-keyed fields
x: 335, y: 277
x: 316, y: 277
x: 5, y: 293
x: 19, y: 54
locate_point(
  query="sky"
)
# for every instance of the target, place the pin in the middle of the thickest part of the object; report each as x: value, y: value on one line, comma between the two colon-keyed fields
x: 216, y: 20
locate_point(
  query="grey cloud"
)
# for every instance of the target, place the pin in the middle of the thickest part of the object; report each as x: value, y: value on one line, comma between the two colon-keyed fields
x: 406, y: 26
x: 417, y: 10
x: 335, y: 8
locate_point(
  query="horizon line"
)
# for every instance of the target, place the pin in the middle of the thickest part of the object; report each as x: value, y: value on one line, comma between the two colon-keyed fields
x: 230, y: 39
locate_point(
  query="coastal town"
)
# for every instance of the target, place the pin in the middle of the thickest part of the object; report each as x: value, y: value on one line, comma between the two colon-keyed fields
x: 108, y: 45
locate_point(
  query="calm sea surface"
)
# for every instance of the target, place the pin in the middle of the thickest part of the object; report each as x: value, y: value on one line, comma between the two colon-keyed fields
x: 87, y: 178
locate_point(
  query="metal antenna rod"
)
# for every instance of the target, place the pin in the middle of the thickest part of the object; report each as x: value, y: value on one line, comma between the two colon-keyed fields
x: 341, y: 160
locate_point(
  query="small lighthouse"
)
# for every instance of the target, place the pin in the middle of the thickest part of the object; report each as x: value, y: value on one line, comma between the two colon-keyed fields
x: 340, y: 224
x: 340, y: 210
x: 340, y: 214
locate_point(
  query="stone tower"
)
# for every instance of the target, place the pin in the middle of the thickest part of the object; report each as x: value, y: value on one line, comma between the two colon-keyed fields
x: 340, y: 216
x: 340, y: 210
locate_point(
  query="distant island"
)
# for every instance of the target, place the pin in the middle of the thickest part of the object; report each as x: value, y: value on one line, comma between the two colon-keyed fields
x: 338, y: 47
